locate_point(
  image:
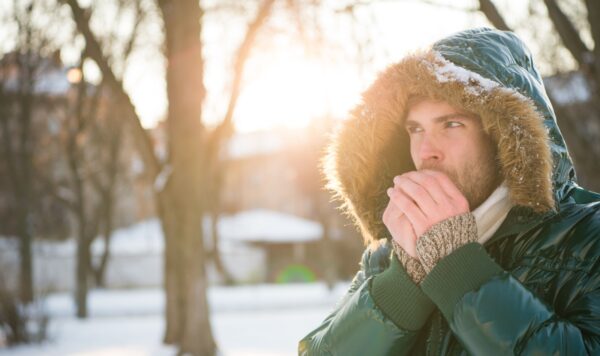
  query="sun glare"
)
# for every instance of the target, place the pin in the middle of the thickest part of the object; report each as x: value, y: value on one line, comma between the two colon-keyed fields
x: 291, y: 92
x: 282, y: 86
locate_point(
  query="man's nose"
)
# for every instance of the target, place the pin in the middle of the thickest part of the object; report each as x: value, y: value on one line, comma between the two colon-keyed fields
x: 430, y: 150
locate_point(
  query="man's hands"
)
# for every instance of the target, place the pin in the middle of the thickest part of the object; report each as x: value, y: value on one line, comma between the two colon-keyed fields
x: 419, y: 200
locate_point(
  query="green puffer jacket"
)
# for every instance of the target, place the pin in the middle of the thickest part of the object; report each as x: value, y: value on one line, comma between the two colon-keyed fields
x: 534, y: 287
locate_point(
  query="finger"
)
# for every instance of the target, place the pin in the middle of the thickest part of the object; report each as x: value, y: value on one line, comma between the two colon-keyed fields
x: 431, y: 185
x: 457, y: 198
x: 418, y: 194
x: 390, y: 213
x: 392, y: 209
x: 410, y: 209
x: 445, y: 182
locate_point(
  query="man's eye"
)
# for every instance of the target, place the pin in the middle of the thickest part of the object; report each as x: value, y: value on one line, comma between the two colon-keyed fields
x: 452, y: 124
x: 413, y: 129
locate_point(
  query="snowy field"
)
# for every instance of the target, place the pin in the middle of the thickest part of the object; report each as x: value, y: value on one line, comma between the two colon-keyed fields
x: 247, y: 320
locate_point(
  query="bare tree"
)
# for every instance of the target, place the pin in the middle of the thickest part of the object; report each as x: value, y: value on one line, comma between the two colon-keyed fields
x: 91, y: 140
x: 106, y: 133
x: 87, y: 221
x: 181, y: 183
x: 17, y: 128
x: 108, y: 141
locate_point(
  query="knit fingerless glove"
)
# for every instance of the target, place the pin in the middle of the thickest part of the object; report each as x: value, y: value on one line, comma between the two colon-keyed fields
x: 411, y: 265
x: 444, y: 237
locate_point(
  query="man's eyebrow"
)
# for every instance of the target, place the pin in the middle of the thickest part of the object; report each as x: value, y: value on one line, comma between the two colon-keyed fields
x: 443, y: 118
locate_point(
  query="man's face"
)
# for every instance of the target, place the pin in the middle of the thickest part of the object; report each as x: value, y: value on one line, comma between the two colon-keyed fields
x: 452, y: 141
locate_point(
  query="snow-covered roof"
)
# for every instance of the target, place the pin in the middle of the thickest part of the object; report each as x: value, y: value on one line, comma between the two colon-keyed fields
x: 268, y: 226
x: 257, y: 225
x: 145, y: 236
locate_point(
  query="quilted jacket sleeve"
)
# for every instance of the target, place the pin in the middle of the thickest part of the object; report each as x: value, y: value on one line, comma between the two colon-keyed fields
x: 362, y: 323
x: 493, y: 313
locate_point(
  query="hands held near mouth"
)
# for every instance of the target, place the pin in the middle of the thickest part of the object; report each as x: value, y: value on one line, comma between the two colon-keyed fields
x: 419, y: 200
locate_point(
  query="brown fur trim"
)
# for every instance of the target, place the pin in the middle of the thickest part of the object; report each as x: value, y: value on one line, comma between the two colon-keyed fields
x: 371, y: 146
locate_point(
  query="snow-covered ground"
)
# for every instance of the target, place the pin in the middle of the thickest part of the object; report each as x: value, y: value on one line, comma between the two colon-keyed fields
x: 246, y: 320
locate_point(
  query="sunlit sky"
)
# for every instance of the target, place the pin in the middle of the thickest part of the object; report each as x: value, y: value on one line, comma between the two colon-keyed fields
x: 286, y: 82
x: 286, y: 86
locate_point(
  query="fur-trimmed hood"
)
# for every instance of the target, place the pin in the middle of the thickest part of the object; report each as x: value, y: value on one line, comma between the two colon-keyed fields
x: 485, y: 71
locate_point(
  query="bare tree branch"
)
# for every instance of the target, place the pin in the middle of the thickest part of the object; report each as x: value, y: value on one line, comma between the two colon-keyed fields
x: 593, y: 8
x: 226, y: 126
x: 493, y: 15
x: 139, y: 17
x: 568, y: 34
x: 95, y: 53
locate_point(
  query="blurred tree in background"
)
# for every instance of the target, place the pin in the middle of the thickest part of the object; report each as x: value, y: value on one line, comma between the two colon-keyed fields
x: 182, y: 182
x: 22, y: 98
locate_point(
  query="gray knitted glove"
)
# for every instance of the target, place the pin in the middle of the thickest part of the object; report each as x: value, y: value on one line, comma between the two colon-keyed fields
x: 411, y: 265
x: 444, y: 237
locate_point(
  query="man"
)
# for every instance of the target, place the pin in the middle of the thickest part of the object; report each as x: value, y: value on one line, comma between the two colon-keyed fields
x: 480, y: 241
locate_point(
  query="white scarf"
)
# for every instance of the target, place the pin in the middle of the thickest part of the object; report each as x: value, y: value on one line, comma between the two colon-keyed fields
x: 492, y: 212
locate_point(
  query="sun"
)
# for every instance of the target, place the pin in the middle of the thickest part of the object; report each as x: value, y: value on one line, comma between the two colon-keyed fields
x: 292, y: 91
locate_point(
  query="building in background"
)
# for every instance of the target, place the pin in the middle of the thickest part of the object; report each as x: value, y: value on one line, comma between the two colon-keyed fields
x: 265, y: 179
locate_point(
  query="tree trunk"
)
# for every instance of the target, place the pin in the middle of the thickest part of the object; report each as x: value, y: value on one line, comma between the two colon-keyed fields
x: 21, y: 186
x: 216, y: 251
x: 181, y: 201
x: 25, y: 241
x: 22, y: 179
x: 24, y: 196
x: 174, y: 303
x: 99, y: 272
x: 81, y: 282
x: 329, y: 255
x: 107, y: 196
x: 187, y: 313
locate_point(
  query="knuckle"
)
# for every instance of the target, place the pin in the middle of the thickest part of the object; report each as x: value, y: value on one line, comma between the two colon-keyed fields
x: 399, y: 180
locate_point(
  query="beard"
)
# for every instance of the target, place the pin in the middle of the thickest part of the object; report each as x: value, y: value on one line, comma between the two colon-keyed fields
x: 476, y: 179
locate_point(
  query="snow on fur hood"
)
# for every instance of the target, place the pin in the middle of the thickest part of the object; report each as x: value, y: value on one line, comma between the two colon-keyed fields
x: 485, y: 71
